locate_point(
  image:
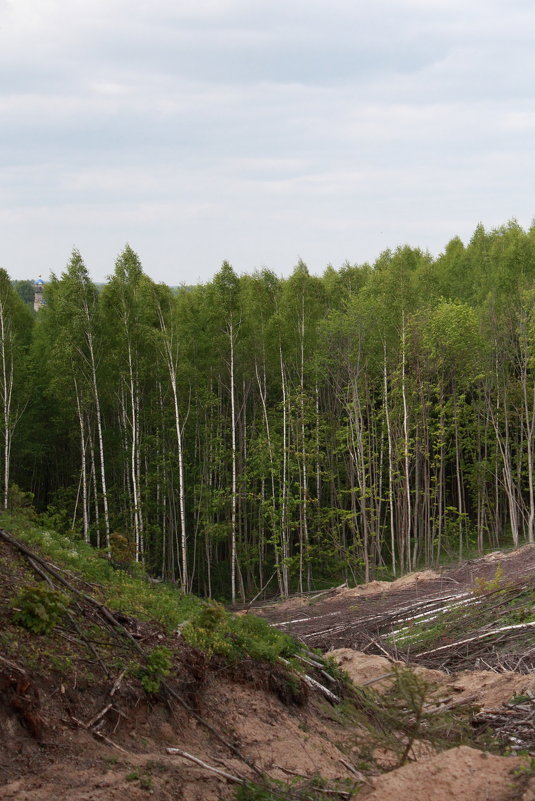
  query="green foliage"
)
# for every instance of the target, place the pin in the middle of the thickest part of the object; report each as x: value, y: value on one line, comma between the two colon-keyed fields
x: 481, y: 586
x: 312, y: 789
x: 157, y: 666
x: 25, y: 290
x: 405, y: 715
x: 20, y: 501
x: 333, y: 669
x: 259, y: 640
x: 522, y: 610
x: 237, y: 637
x: 122, y: 549
x: 406, y: 383
x: 60, y: 663
x: 254, y: 792
x: 134, y: 595
x: 56, y: 518
x: 257, y: 792
x: 39, y: 608
x: 527, y: 768
x: 211, y: 616
x: 145, y: 782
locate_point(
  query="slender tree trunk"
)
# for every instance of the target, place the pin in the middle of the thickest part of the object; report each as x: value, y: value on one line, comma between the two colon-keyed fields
x: 233, y: 555
x: 134, y: 457
x: 406, y: 448
x: 6, y: 391
x: 284, y: 490
x: 96, y: 396
x: 458, y: 475
x: 390, y: 468
x: 503, y: 442
x: 304, y: 485
x: 95, y: 487
x: 171, y: 360
x: 529, y: 422
x: 81, y: 422
x: 277, y: 540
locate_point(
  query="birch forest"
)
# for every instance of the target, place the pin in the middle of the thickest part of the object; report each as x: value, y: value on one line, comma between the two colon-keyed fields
x: 258, y: 433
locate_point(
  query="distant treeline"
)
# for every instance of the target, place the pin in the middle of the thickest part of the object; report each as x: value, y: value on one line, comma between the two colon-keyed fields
x: 300, y: 430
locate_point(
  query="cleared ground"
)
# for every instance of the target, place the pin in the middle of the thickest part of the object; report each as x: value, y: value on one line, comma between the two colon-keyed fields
x: 77, y: 726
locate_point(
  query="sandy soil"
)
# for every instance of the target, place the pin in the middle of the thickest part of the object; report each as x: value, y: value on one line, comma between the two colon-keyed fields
x: 485, y: 688
x: 460, y: 773
x: 70, y: 765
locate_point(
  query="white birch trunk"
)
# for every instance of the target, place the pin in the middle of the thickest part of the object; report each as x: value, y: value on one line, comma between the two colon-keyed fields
x: 284, y: 499
x: 529, y: 422
x: 234, y: 456
x: 7, y: 390
x: 96, y: 397
x: 81, y: 422
x: 407, y: 533
x: 171, y: 360
x: 390, y: 469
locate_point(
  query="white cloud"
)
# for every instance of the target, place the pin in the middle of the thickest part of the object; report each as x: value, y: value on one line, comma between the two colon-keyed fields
x: 519, y: 121
x: 255, y: 131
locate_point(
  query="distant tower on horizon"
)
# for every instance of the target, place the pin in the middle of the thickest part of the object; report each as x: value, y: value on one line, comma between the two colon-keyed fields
x: 38, y: 301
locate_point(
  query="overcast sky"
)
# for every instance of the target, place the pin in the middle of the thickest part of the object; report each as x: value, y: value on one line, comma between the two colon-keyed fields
x: 259, y: 132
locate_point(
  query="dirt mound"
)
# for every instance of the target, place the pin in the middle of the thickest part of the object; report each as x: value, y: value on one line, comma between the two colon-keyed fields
x: 342, y: 592
x: 371, y: 588
x: 374, y: 587
x: 365, y: 669
x: 336, y: 594
x: 488, y: 688
x: 483, y: 688
x: 459, y: 773
x: 379, y: 671
x: 278, y: 740
x: 414, y: 578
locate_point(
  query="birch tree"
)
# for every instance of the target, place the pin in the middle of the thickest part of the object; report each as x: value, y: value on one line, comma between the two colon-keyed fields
x: 14, y: 319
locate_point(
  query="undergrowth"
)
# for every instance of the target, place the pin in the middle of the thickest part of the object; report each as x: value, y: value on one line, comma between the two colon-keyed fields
x: 157, y: 667
x: 407, y: 715
x: 208, y: 627
x: 129, y: 591
x: 213, y: 630
x: 314, y: 788
x: 482, y: 586
x: 39, y: 608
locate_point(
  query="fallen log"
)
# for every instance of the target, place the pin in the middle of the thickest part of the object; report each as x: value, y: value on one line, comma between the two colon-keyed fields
x: 197, y: 761
x: 491, y: 633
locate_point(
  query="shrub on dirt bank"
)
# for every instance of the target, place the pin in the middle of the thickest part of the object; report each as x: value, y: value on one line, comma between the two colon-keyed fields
x: 128, y: 591
x: 214, y: 631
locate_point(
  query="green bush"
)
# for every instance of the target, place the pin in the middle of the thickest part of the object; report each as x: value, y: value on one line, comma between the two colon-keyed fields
x: 21, y: 501
x: 481, y: 586
x: 39, y: 608
x: 236, y: 637
x: 157, y: 667
x: 256, y: 638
